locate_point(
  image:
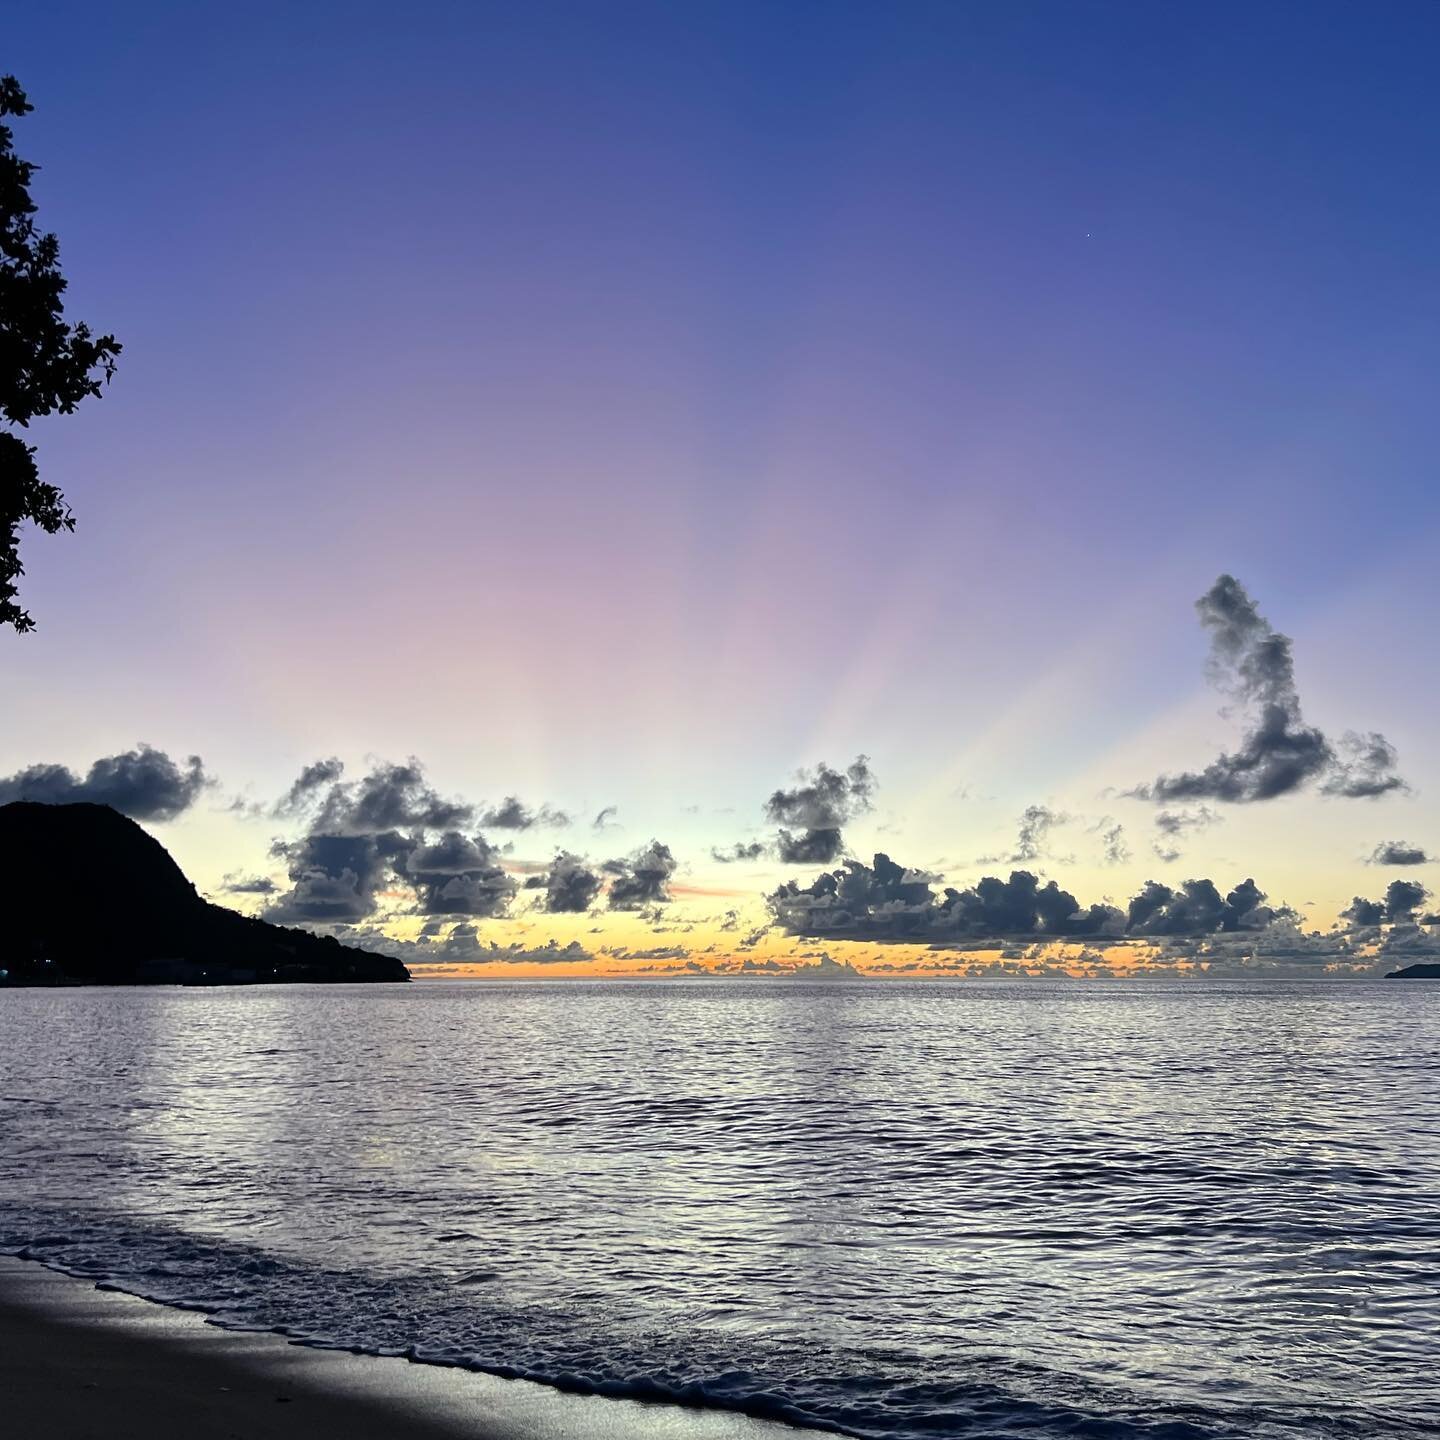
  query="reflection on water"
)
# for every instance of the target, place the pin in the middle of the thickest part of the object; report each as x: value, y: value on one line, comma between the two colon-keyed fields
x: 991, y: 1209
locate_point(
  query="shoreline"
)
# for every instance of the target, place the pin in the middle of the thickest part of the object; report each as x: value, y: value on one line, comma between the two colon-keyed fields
x: 79, y: 1361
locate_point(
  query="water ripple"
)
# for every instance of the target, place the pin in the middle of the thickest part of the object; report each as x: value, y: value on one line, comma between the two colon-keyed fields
x: 1145, y: 1212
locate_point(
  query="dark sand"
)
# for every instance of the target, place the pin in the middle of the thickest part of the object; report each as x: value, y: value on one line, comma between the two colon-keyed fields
x: 77, y: 1363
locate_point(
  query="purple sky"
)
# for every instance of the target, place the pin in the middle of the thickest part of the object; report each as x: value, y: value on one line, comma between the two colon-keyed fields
x: 631, y: 404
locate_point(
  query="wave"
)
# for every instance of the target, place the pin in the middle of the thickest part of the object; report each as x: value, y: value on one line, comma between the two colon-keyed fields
x: 871, y: 1394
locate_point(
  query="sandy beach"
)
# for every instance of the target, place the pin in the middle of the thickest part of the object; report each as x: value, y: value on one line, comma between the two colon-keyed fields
x: 77, y: 1363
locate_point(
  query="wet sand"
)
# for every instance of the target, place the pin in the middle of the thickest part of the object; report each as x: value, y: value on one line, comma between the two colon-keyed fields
x: 77, y: 1363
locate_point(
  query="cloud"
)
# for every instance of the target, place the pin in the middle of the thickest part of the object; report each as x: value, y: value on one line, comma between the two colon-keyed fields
x: 1279, y: 753
x: 1364, y: 768
x: 308, y: 784
x: 390, y: 797
x: 605, y: 820
x: 510, y: 814
x: 570, y: 885
x: 1397, y: 852
x: 1196, y: 908
x: 1173, y: 824
x: 248, y: 885
x: 388, y: 831
x: 887, y: 902
x: 440, y: 945
x: 1112, y: 837
x: 1402, y: 899
x: 642, y: 879
x: 817, y: 808
x: 1036, y: 823
x: 143, y: 783
x: 552, y: 952
x: 336, y: 877
x: 739, y: 852
x: 458, y: 875
x: 826, y: 967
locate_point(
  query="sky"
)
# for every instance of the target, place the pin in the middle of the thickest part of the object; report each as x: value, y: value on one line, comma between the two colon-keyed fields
x: 630, y: 408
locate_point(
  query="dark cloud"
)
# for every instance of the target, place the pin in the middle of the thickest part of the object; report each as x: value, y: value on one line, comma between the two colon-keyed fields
x: 458, y: 875
x: 887, y: 902
x: 641, y: 879
x: 739, y: 852
x: 811, y: 816
x: 308, y: 784
x: 810, y: 847
x: 1021, y: 906
x: 1401, y: 902
x: 1397, y: 852
x: 605, y: 820
x: 1364, y: 768
x: 389, y: 831
x: 1175, y: 824
x: 143, y: 783
x: 337, y: 877
x: 1279, y: 753
x: 570, y: 885
x: 390, y: 797
x: 511, y: 814
x: 1196, y: 908
x: 248, y: 885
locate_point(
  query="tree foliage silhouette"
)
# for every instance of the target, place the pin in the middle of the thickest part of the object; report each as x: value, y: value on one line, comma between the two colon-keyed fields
x: 46, y: 365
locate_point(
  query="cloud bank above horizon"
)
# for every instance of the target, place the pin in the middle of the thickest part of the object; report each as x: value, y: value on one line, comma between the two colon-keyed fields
x: 382, y: 857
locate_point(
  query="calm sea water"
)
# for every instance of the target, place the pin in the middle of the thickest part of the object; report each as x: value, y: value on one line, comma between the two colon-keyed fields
x: 978, y: 1209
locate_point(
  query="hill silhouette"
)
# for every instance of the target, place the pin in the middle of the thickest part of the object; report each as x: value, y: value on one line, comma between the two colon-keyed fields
x: 93, y: 899
x: 1424, y: 970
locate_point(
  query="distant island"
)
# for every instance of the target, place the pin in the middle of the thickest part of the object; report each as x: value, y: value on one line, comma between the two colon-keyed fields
x: 94, y: 900
x: 1426, y: 970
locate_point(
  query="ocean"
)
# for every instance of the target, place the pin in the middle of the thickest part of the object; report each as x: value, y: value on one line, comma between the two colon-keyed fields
x: 1165, y: 1209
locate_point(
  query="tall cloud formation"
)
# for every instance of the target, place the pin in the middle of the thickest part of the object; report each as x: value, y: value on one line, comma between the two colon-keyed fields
x: 886, y: 902
x: 642, y: 879
x: 1279, y: 753
x: 458, y: 875
x: 570, y: 885
x: 388, y: 832
x: 143, y: 783
x: 811, y: 815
